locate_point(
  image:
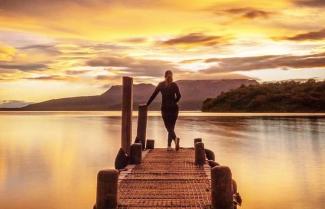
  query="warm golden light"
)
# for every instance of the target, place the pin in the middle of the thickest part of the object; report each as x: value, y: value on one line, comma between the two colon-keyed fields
x: 85, y: 46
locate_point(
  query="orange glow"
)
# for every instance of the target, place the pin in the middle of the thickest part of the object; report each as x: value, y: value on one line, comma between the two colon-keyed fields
x: 43, y: 44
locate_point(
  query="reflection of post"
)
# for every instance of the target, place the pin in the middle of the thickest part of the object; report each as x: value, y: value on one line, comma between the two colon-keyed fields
x: 142, y: 125
x: 127, y: 106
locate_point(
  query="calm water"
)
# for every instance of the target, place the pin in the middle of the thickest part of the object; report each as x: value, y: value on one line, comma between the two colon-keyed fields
x: 50, y: 160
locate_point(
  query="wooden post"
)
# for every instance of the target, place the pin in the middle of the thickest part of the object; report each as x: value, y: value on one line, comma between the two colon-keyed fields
x: 199, y: 153
x: 196, y: 140
x: 136, y: 153
x: 150, y: 144
x: 221, y: 188
x: 107, y: 189
x: 127, y: 106
x: 142, y: 125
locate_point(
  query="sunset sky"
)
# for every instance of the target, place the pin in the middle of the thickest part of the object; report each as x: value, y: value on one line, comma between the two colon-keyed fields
x: 52, y: 49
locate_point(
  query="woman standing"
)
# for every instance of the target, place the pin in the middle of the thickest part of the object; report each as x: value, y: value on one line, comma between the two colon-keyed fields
x: 169, y: 108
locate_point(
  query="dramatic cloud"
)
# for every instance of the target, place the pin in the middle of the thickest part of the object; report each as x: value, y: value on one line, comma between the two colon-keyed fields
x: 48, y: 77
x: 49, y: 49
x: 83, y: 44
x: 22, y: 67
x: 194, y: 39
x: 265, y: 62
x: 138, y: 67
x: 37, y: 7
x: 135, y: 40
x: 314, y: 35
x: 311, y: 3
x: 76, y: 72
x: 250, y: 13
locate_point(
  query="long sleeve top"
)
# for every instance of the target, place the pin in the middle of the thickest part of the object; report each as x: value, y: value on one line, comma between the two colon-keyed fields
x: 170, y: 95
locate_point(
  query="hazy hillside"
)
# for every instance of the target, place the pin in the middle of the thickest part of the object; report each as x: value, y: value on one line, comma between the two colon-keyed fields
x: 194, y: 92
x: 289, y: 96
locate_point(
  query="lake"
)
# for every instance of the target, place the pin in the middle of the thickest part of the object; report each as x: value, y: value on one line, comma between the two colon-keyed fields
x: 50, y: 160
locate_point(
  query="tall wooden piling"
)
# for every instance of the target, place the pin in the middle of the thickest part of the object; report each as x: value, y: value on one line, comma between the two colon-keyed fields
x: 221, y: 188
x: 127, y: 107
x: 142, y: 125
x: 107, y: 182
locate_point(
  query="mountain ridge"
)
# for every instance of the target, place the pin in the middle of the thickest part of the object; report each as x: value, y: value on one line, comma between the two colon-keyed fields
x: 194, y: 92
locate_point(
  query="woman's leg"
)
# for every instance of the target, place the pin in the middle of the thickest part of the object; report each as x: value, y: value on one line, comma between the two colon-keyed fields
x: 173, y: 119
x: 167, y: 123
x: 170, y: 117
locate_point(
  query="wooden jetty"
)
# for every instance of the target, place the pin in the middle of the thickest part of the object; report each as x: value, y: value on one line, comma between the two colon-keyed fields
x: 165, y: 179
x: 149, y: 177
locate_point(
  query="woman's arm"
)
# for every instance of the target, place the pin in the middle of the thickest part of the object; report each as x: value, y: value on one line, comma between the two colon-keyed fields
x: 178, y: 94
x: 154, y: 94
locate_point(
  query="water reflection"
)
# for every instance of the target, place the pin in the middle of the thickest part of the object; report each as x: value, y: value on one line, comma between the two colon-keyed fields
x: 50, y: 160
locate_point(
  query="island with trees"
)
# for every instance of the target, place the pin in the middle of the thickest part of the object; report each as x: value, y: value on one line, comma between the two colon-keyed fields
x: 285, y: 96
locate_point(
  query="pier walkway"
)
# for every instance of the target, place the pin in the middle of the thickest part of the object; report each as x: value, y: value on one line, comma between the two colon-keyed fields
x: 165, y: 179
x: 149, y: 177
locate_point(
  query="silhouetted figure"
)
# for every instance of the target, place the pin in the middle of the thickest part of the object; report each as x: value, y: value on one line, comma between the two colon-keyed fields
x: 169, y: 108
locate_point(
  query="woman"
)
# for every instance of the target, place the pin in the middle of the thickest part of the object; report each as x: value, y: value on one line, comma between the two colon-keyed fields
x: 169, y: 108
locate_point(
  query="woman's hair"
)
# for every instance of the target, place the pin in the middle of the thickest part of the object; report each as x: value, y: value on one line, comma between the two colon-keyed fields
x: 169, y: 76
x: 168, y: 72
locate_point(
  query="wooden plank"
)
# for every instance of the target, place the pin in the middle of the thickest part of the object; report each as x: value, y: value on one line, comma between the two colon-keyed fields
x: 166, y: 179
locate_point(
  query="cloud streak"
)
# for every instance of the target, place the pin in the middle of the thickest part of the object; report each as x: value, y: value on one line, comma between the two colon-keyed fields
x: 250, y: 13
x: 23, y: 67
x: 311, y: 3
x: 49, y: 49
x: 193, y: 39
x: 137, y: 67
x: 265, y: 62
x: 314, y: 35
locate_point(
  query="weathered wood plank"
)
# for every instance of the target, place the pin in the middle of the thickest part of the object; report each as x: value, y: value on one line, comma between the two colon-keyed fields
x: 166, y: 179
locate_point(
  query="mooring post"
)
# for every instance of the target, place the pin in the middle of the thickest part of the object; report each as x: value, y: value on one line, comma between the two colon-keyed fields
x: 136, y: 153
x: 221, y: 188
x: 150, y: 144
x: 199, y: 153
x: 127, y: 106
x: 107, y: 189
x: 196, y: 140
x: 142, y: 125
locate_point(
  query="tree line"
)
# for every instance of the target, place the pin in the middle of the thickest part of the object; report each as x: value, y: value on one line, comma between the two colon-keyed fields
x: 285, y: 96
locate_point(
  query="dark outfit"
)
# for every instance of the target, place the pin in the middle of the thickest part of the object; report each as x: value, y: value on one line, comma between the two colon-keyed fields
x: 169, y: 108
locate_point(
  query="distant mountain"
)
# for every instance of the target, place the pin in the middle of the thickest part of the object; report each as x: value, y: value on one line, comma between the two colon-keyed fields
x: 13, y: 104
x: 194, y: 92
x: 288, y: 96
